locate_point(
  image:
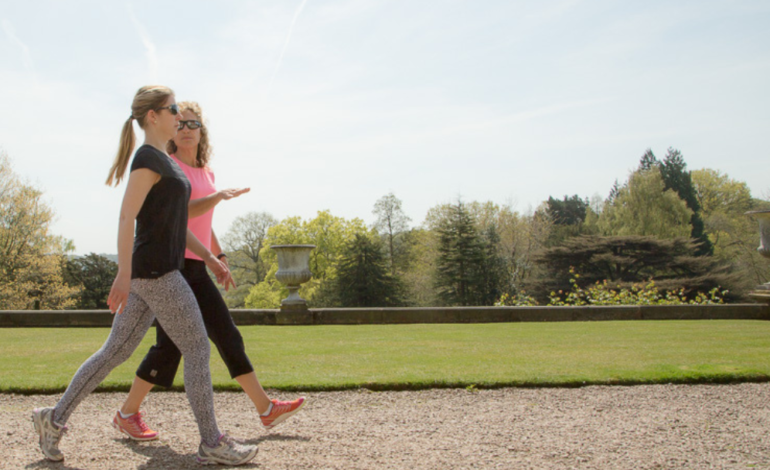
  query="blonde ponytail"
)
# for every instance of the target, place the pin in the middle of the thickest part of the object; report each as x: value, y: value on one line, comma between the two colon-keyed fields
x: 126, y: 146
x: 147, y: 99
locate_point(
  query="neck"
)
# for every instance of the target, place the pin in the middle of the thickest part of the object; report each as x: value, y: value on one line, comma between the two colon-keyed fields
x: 155, y: 140
x: 188, y: 155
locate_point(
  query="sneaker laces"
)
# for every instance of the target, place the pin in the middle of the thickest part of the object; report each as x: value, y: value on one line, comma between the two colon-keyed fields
x: 55, y: 436
x: 233, y: 445
x: 281, y: 406
x: 138, y: 422
x: 227, y: 438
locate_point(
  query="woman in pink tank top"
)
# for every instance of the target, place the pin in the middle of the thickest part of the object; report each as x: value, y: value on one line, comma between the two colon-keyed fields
x: 190, y: 149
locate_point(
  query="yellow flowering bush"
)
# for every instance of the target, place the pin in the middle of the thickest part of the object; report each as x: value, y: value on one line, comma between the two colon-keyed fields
x: 639, y: 294
x: 602, y: 294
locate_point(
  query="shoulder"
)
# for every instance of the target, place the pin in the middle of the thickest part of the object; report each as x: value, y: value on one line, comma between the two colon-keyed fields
x: 209, y: 172
x: 148, y: 157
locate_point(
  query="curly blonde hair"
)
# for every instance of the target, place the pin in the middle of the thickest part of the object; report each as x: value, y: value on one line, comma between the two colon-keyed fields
x: 204, y: 147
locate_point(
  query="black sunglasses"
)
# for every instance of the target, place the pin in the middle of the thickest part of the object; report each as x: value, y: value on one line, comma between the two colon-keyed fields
x: 173, y: 109
x: 192, y: 125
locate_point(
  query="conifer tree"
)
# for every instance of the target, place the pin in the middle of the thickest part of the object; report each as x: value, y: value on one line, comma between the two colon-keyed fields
x: 648, y: 161
x: 363, y: 278
x: 570, y: 211
x: 460, y: 259
x: 676, y: 177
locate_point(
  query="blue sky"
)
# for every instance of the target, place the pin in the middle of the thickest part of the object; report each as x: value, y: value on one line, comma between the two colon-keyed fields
x: 332, y: 104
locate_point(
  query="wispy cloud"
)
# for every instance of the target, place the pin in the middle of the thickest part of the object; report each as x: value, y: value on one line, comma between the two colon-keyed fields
x: 26, y: 56
x: 286, y: 43
x: 149, y: 46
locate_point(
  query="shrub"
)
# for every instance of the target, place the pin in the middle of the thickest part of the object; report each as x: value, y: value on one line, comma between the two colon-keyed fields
x: 602, y: 293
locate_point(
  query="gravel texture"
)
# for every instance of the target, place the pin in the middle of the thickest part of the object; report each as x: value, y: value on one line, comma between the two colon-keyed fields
x: 644, y: 427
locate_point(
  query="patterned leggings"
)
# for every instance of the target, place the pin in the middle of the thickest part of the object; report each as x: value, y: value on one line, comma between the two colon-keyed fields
x: 170, y: 299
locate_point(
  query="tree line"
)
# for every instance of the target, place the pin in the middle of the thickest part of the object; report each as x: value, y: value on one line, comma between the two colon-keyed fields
x: 684, y: 230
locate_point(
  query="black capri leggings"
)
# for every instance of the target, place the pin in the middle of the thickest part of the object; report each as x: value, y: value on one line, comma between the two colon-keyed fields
x: 160, y: 365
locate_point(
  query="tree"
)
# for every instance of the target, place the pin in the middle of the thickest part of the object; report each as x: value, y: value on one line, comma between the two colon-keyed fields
x: 391, y: 222
x: 519, y: 238
x: 624, y: 260
x: 494, y: 275
x: 648, y: 161
x: 328, y: 233
x: 570, y: 211
x: 460, y: 261
x: 614, y: 191
x: 94, y: 274
x: 31, y: 258
x: 569, y: 218
x: 676, y: 177
x: 644, y: 207
x: 363, y: 278
x: 718, y: 193
x: 733, y: 235
x: 243, y: 243
x: 420, y: 253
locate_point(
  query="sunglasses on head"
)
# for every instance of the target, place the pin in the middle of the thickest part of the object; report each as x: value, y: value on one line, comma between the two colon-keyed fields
x: 173, y: 109
x: 192, y: 125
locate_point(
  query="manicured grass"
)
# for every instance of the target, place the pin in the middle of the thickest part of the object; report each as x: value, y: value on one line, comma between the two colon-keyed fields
x: 422, y: 356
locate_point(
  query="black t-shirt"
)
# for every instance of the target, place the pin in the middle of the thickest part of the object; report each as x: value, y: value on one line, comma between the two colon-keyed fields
x: 161, y: 225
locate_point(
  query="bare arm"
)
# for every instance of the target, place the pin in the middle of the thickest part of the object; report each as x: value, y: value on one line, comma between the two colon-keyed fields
x: 201, y: 206
x: 139, y: 184
x: 219, y: 269
x: 217, y: 248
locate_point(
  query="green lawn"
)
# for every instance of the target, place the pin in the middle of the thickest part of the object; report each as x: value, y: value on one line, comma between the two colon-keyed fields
x: 420, y: 356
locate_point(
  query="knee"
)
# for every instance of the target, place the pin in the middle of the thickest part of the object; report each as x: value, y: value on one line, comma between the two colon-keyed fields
x: 121, y: 354
x: 197, y: 346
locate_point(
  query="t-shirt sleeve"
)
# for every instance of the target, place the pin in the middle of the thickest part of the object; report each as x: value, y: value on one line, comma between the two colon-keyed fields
x: 146, y: 158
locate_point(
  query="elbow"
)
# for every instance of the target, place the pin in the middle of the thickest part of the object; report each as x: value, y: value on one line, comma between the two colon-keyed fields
x: 125, y: 219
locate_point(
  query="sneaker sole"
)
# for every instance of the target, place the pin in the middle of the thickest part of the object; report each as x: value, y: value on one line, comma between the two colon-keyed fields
x: 216, y: 461
x: 285, y: 416
x: 37, y: 422
x: 123, y: 431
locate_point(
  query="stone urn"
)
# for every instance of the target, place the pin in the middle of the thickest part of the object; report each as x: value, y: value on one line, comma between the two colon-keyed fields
x: 293, y: 270
x: 762, y: 292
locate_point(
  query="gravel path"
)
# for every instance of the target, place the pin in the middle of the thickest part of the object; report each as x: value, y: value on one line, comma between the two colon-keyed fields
x: 645, y: 427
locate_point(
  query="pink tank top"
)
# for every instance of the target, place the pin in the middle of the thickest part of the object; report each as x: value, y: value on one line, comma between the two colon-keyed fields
x: 202, y: 183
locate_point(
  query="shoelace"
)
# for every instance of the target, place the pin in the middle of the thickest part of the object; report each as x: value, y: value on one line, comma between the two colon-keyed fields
x: 139, y: 423
x: 226, y: 437
x: 56, y: 435
x: 281, y: 406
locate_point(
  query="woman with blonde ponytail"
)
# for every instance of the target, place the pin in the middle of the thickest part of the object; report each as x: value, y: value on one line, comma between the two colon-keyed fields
x: 191, y: 150
x: 149, y: 284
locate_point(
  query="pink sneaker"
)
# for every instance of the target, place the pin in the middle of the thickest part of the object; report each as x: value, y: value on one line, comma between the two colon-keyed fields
x: 282, y: 410
x: 134, y: 427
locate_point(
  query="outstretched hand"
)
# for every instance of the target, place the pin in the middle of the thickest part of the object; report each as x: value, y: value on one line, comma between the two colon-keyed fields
x: 233, y: 192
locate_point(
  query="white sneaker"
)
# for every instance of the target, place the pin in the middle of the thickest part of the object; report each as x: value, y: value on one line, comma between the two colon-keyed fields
x: 227, y: 452
x: 50, y: 434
